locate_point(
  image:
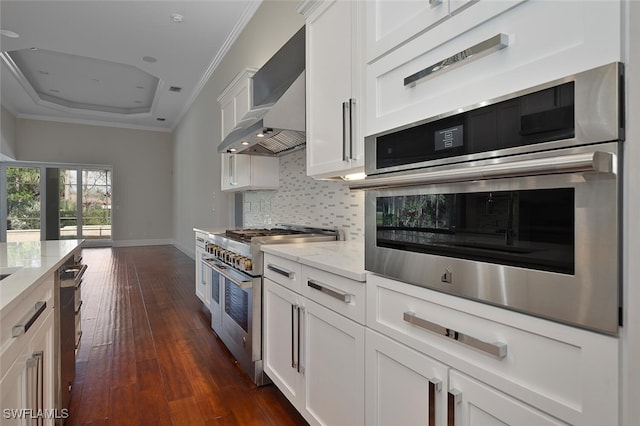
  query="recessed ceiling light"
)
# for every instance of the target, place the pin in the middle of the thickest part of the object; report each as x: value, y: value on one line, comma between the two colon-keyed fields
x: 245, y: 143
x: 160, y: 119
x: 260, y: 135
x: 232, y: 150
x: 176, y: 17
x: 9, y: 33
x: 33, y: 48
x: 149, y: 59
x: 43, y: 72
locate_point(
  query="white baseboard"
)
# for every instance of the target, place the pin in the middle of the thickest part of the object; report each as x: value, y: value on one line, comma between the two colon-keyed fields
x: 133, y: 243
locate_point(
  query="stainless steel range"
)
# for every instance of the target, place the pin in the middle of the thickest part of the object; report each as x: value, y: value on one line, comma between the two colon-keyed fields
x: 235, y: 267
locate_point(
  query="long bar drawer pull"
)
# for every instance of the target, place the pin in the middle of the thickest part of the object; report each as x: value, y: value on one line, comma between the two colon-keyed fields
x: 484, y: 48
x: 281, y: 271
x: 454, y: 397
x: 435, y: 385
x: 344, y: 297
x: 28, y: 320
x: 498, y: 349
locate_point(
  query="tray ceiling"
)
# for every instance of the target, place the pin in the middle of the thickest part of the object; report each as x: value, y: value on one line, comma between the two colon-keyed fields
x: 133, y: 64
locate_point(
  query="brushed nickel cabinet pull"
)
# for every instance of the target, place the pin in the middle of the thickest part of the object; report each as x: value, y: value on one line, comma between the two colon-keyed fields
x: 435, y: 385
x: 344, y: 297
x: 293, y: 340
x: 26, y: 323
x: 477, y: 51
x: 345, y: 111
x: 454, y: 397
x: 498, y: 349
x: 281, y: 271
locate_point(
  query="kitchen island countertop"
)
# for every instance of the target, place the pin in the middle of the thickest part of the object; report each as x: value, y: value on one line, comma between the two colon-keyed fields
x: 345, y: 258
x: 26, y: 263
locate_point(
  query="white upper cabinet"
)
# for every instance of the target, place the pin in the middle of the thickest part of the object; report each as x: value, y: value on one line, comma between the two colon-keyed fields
x: 334, y: 101
x: 235, y: 101
x: 391, y: 23
x: 241, y: 172
x: 481, y: 52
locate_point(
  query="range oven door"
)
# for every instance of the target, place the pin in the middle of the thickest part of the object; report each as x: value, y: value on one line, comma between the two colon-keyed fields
x: 537, y: 233
x: 235, y: 311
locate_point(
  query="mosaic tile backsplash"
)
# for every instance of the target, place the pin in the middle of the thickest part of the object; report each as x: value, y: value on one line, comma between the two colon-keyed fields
x: 301, y: 200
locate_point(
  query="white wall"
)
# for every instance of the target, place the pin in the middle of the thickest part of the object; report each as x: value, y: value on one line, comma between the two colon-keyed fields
x: 198, y: 201
x: 142, y: 171
x: 7, y: 135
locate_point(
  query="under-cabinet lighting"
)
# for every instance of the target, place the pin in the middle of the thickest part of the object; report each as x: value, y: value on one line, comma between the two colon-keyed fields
x: 355, y: 176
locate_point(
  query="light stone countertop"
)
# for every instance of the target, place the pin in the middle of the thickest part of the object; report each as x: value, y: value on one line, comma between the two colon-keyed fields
x: 27, y: 263
x: 345, y: 258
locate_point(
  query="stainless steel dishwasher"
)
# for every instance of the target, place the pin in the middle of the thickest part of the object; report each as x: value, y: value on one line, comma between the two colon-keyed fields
x: 70, y: 278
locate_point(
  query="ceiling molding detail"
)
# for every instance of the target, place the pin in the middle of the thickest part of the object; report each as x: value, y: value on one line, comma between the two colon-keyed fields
x: 233, y: 36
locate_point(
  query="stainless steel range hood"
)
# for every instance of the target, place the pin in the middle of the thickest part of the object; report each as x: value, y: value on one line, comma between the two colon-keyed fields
x: 275, y: 125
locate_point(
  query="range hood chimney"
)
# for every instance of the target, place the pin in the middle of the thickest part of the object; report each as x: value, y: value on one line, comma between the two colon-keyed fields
x: 275, y: 124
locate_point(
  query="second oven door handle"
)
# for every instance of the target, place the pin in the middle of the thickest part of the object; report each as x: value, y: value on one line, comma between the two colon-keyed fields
x: 595, y: 161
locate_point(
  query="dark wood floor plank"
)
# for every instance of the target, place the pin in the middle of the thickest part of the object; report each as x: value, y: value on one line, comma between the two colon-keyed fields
x: 148, y: 355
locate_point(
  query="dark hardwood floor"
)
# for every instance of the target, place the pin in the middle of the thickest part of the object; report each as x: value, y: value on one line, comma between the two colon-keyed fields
x: 148, y: 355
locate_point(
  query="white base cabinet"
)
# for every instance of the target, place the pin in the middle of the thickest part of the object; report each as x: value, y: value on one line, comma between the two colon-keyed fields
x: 315, y: 357
x: 313, y: 350
x: 546, y: 373
x: 472, y: 403
x: 404, y: 387
x: 29, y: 363
x: 202, y: 283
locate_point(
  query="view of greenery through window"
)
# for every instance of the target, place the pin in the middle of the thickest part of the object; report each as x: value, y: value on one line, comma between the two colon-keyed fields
x: 93, y: 214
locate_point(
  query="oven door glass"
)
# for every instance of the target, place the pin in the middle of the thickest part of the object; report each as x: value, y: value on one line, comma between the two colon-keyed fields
x: 236, y: 304
x: 527, y: 228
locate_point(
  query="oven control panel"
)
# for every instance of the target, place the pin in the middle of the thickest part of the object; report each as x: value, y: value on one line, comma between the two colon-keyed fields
x: 229, y: 257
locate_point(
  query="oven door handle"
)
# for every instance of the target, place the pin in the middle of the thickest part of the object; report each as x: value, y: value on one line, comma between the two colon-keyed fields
x: 595, y: 161
x: 238, y: 278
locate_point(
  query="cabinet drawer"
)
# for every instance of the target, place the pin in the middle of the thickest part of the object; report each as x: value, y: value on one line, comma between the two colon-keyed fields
x: 342, y: 295
x: 575, y: 38
x: 283, y: 271
x: 24, y: 310
x: 549, y: 365
x: 201, y: 239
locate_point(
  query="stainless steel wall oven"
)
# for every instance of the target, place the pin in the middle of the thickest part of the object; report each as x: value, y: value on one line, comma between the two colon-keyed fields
x: 512, y: 202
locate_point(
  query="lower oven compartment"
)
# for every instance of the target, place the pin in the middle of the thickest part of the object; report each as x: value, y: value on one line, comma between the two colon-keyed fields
x: 236, y: 303
x: 545, y: 244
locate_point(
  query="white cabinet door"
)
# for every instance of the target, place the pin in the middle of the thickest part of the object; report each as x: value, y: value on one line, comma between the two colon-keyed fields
x: 280, y: 344
x: 28, y: 387
x: 235, y: 100
x: 392, y: 22
x: 241, y: 172
x: 201, y: 284
x: 472, y: 403
x: 404, y: 387
x: 576, y: 38
x: 334, y: 101
x: 43, y: 349
x: 333, y: 365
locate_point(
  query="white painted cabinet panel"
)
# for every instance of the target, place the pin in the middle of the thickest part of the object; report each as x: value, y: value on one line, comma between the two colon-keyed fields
x: 334, y: 89
x: 314, y: 355
x: 549, y: 366
x: 575, y: 38
x: 404, y: 387
x: 201, y: 269
x: 241, y: 172
x: 473, y: 403
x: 235, y: 100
